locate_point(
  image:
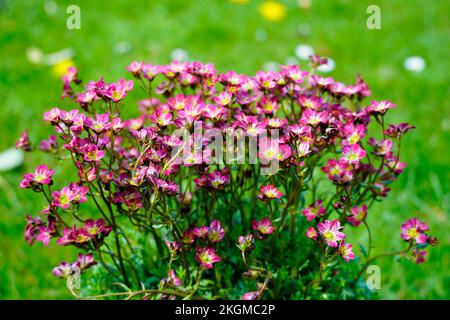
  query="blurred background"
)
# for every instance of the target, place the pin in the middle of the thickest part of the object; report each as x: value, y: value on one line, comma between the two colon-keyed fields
x: 406, y: 61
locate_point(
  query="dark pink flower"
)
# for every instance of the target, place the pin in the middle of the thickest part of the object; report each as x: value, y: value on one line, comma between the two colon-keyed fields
x: 315, y: 210
x: 313, y: 118
x: 218, y: 179
x: 79, y: 193
x: 32, y: 228
x: 263, y: 227
x: 353, y: 153
x: 215, y: 232
x: 382, y: 147
x: 358, y: 214
x: 200, y: 232
x: 269, y: 192
x: 85, y: 261
x: 397, y: 131
x: 345, y: 250
x: 41, y: 176
x: 92, y: 153
x: 419, y: 255
x: 100, y: 123
x: 24, y: 142
x: 49, y: 145
x: 246, y: 243
x: 63, y: 198
x: 311, y: 233
x: 380, y: 107
x: 64, y: 270
x: 330, y: 232
x: 253, y: 295
x: 413, y: 230
x: 135, y: 68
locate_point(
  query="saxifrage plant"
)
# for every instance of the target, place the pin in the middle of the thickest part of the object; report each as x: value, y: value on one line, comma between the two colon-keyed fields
x: 224, y: 186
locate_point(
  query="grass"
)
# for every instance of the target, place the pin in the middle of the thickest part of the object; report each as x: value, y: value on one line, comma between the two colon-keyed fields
x: 224, y: 33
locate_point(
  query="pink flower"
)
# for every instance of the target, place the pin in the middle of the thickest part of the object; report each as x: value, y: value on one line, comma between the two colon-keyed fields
x: 64, y: 270
x: 382, y: 147
x: 85, y: 261
x: 397, y: 131
x: 223, y: 99
x: 206, y: 257
x: 32, y: 228
x: 49, y: 145
x: 358, y: 215
x: 330, y: 232
x: 97, y: 228
x: 200, y: 232
x: 118, y: 91
x: 24, y: 142
x: 63, y: 198
x: 419, y: 256
x: 269, y: 192
x: 135, y: 68
x: 52, y: 116
x: 380, y: 107
x: 45, y: 234
x: 92, y: 153
x: 253, y: 295
x: 79, y: 193
x: 345, y: 250
x: 309, y: 102
x: 215, y: 231
x: 414, y: 229
x: 172, y: 280
x: 315, y: 210
x: 338, y: 171
x: 353, y: 134
x: 246, y: 243
x: 353, y: 153
x: 313, y: 118
x: 218, y: 179
x: 267, y: 105
x: 263, y: 227
x: 100, y: 123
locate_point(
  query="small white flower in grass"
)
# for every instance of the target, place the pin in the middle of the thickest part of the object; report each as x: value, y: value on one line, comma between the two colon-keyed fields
x: 414, y: 64
x: 304, y: 51
x: 179, y: 55
x: 35, y: 55
x: 271, y: 66
x: 10, y: 159
x: 327, y: 67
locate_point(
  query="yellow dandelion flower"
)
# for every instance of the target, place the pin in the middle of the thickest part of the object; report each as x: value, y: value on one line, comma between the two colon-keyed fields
x: 272, y: 11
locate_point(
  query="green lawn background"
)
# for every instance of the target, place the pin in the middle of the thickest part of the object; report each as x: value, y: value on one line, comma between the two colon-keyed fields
x: 224, y: 33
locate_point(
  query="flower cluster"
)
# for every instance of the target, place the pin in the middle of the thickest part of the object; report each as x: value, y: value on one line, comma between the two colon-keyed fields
x: 213, y: 157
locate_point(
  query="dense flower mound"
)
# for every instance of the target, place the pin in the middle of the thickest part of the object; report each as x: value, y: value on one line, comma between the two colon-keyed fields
x: 214, y: 188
